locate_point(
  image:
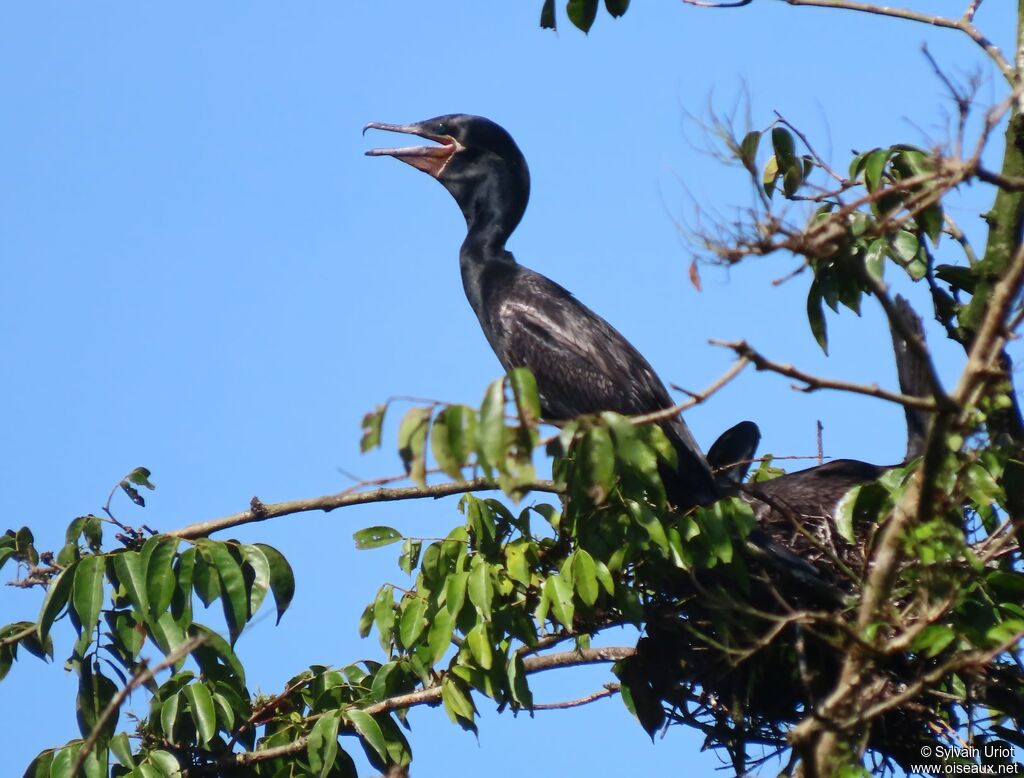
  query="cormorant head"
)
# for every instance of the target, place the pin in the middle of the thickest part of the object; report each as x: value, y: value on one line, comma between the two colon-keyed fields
x: 732, y: 454
x: 476, y: 160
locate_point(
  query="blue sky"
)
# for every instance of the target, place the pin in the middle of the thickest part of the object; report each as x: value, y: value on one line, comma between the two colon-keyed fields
x: 204, y: 275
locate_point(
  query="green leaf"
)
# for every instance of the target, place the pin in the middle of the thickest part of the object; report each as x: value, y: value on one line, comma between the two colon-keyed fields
x: 584, y: 576
x: 204, y: 714
x: 816, y: 317
x: 905, y: 246
x: 874, y: 166
x: 95, y: 691
x: 460, y: 440
x: 127, y: 631
x: 257, y: 575
x: 516, y: 563
x: 480, y: 645
x: 547, y: 15
x: 282, y: 579
x: 40, y: 766
x: 524, y: 390
x: 770, y: 175
x: 57, y: 594
x: 87, y: 594
x: 204, y: 577
x: 748, y: 149
x: 375, y: 537
x: 933, y: 639
x: 845, y: 514
x: 166, y: 633
x: 874, y: 258
x: 384, y: 615
x: 517, y: 683
x: 158, y: 559
x: 322, y: 744
x: 793, y: 179
x: 219, y: 648
x: 440, y: 445
x: 455, y: 592
x: 412, y: 441
x: 372, y: 424
x: 369, y: 731
x: 122, y: 749
x: 412, y: 621
x: 140, y: 477
x: 181, y: 600
x: 558, y: 591
x: 481, y: 590
x: 166, y: 762
x: 616, y: 7
x: 366, y: 621
x: 582, y: 13
x: 930, y: 220
x: 596, y: 461
x: 410, y: 555
x: 6, y: 552
x: 439, y: 636
x: 491, y: 430
x: 64, y: 760
x: 232, y: 585
x: 784, y: 146
x: 169, y: 712
x: 457, y: 702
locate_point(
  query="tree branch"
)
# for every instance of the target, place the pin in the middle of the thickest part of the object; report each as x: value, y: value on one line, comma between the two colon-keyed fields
x: 262, y: 511
x: 813, y: 383
x: 964, y: 25
x: 432, y: 696
x: 609, y: 690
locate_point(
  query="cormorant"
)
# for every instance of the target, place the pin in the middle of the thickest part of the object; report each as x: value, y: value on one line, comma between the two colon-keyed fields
x: 812, y: 495
x: 582, y: 364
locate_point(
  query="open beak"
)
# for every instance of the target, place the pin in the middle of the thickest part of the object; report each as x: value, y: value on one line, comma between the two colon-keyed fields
x: 429, y: 159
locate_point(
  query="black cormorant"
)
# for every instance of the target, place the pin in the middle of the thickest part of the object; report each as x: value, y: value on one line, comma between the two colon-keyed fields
x: 811, y: 496
x: 582, y: 364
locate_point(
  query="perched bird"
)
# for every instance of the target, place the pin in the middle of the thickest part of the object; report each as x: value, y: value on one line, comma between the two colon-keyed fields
x: 582, y: 364
x: 811, y: 496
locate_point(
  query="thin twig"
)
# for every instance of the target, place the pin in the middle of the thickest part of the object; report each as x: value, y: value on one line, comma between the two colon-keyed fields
x: 609, y: 690
x: 696, y: 398
x: 18, y: 636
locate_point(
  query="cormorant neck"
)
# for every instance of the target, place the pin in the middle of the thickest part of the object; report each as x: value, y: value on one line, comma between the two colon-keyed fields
x: 483, y: 248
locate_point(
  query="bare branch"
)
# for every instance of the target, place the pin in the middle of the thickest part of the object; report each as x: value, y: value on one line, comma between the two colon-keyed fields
x: 609, y: 690
x: 814, y: 383
x: 696, y: 398
x: 263, y: 511
x: 963, y: 24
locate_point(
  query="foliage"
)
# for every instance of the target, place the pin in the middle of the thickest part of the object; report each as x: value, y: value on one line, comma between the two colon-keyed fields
x: 913, y: 640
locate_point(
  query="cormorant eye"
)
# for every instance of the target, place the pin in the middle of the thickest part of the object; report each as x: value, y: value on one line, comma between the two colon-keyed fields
x: 442, y: 128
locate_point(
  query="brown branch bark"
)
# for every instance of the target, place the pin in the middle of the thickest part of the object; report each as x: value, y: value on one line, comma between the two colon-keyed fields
x: 813, y: 383
x: 263, y: 511
x: 608, y: 691
x: 432, y: 696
